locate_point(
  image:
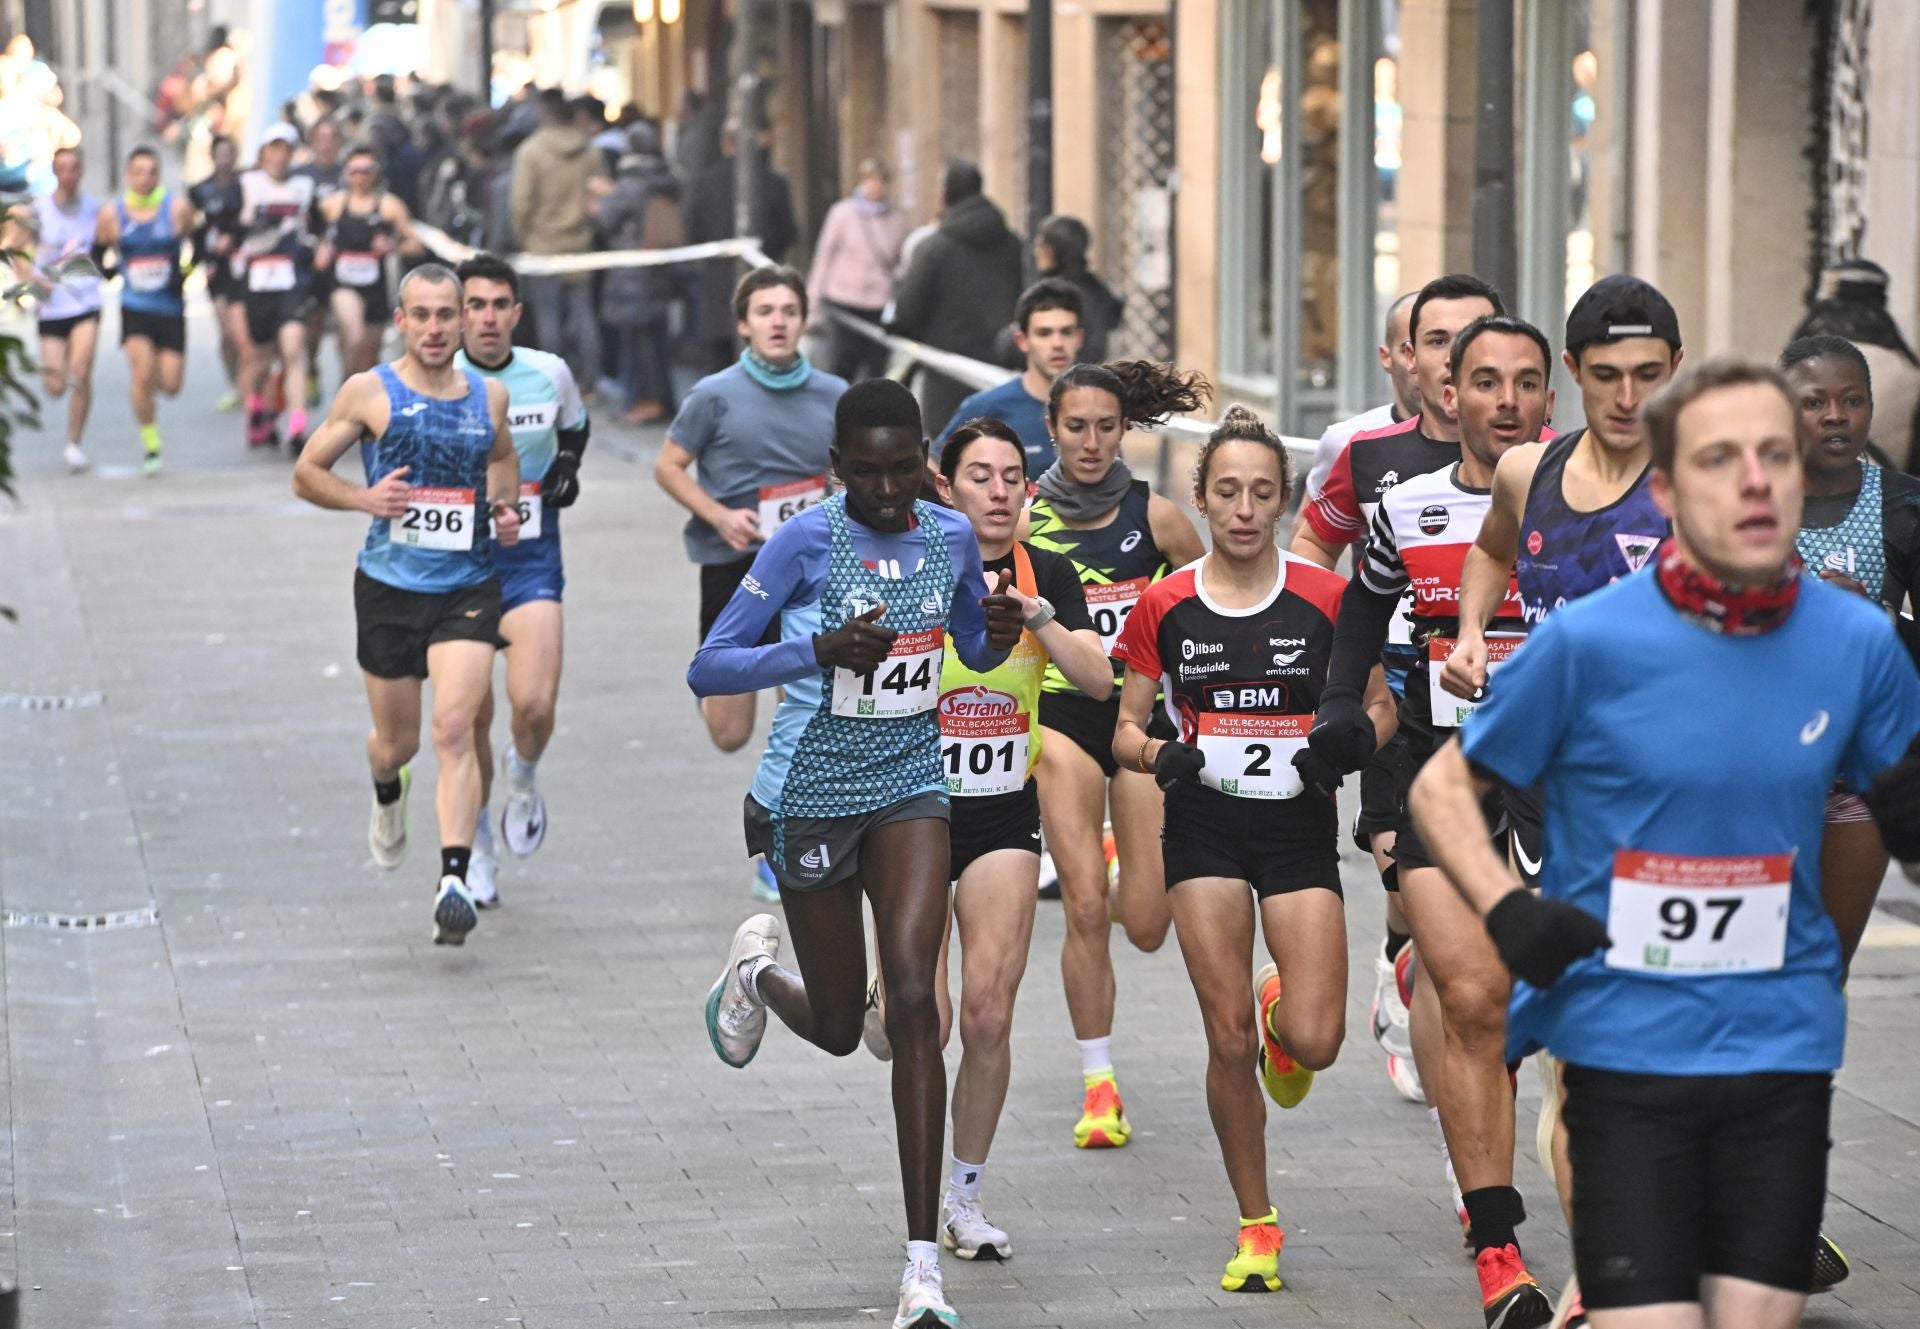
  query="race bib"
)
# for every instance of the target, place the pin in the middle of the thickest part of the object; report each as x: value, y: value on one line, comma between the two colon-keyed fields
x: 1251, y: 756
x: 984, y: 742
x: 270, y: 272
x: 357, y: 269
x: 529, y: 507
x: 1110, y: 603
x: 149, y: 273
x: 906, y: 683
x: 1687, y: 915
x: 780, y: 504
x: 435, y: 519
x: 1450, y: 711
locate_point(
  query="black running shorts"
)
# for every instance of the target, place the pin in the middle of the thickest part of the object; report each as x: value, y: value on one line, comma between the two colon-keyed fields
x: 269, y: 311
x: 59, y: 329
x: 167, y: 332
x: 1276, y: 846
x: 996, y: 821
x: 718, y: 582
x: 396, y: 626
x: 1084, y: 722
x: 812, y: 853
x: 1676, y: 1176
x: 1383, y: 787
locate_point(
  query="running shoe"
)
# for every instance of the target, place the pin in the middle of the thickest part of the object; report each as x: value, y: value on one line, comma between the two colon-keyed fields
x: 1406, y: 1078
x: 923, y: 1305
x: 1508, y: 1295
x: 76, y: 458
x: 1255, y: 1266
x: 260, y: 431
x: 453, y: 912
x: 150, y: 464
x: 229, y: 402
x: 1830, y: 1267
x: 764, y: 887
x: 736, y: 1021
x: 1049, y: 877
x: 873, y: 1026
x: 1103, y: 1121
x: 1573, y: 1311
x: 387, y: 833
x: 969, y: 1235
x: 295, y: 442
x: 1388, y: 1014
x: 480, y: 883
x: 1286, y: 1080
x: 523, y: 821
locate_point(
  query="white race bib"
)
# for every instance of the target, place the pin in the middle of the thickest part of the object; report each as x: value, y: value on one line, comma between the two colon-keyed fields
x: 1450, y: 711
x: 357, y: 269
x: 1110, y: 603
x: 1688, y: 915
x: 435, y: 519
x: 906, y: 683
x: 780, y: 504
x: 984, y: 742
x: 270, y: 272
x: 1251, y: 756
x: 148, y: 273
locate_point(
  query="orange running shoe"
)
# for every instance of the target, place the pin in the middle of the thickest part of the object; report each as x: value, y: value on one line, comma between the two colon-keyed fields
x: 1508, y: 1294
x: 1103, y: 1121
x: 1255, y: 1266
x: 1285, y: 1079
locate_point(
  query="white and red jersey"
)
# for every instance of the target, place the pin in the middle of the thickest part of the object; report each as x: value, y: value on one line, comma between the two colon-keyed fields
x: 1373, y: 463
x: 1240, y: 684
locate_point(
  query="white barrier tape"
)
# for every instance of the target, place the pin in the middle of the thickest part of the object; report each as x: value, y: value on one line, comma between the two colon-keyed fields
x: 557, y: 265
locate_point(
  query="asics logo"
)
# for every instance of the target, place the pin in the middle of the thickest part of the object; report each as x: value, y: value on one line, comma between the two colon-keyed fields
x: 414, y: 409
x: 816, y: 859
x: 1811, y: 731
x: 1127, y: 545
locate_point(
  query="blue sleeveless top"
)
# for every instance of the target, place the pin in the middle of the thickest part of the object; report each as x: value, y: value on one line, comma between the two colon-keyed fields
x: 1565, y: 554
x: 443, y: 542
x: 1857, y: 546
x: 150, y: 273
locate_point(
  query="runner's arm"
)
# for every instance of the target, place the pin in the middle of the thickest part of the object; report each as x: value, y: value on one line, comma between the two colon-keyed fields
x: 731, y: 661
x: 1070, y: 639
x: 672, y: 471
x: 1175, y: 535
x: 401, y: 220
x: 1485, y: 575
x: 1132, y: 749
x: 967, y: 622
x: 345, y: 425
x: 1331, y: 519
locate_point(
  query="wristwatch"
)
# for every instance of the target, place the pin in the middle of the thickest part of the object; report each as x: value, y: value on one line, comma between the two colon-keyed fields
x: 1041, y: 616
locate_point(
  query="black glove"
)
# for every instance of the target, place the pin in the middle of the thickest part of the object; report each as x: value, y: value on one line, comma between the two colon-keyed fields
x: 1342, y: 735
x: 1316, y: 773
x: 562, y: 485
x: 1176, y: 762
x: 1538, y: 938
x: 1894, y: 800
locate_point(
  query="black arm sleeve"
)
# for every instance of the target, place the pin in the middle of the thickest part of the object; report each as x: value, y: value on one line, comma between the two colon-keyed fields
x: 1358, y: 635
x: 99, y: 254
x: 574, y: 441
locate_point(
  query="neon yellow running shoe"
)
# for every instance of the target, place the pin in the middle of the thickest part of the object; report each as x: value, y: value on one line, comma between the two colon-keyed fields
x: 1103, y: 1121
x: 1255, y: 1266
x: 1286, y: 1080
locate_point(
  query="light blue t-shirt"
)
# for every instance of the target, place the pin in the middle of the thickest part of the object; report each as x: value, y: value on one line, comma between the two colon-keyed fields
x: 1011, y: 404
x: 1657, y: 736
x: 542, y: 399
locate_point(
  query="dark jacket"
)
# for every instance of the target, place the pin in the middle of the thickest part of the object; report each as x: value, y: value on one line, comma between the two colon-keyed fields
x: 643, y: 212
x: 960, y: 290
x: 1099, y: 312
x: 709, y: 216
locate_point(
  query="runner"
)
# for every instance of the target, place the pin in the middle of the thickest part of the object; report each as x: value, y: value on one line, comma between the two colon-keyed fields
x: 1237, y: 645
x: 278, y: 257
x: 850, y: 799
x: 219, y: 198
x: 1339, y: 513
x: 990, y: 744
x: 1396, y: 360
x: 1498, y: 389
x: 439, y: 456
x: 1122, y: 538
x: 359, y: 226
x: 147, y: 227
x: 1688, y: 726
x: 1048, y: 331
x: 549, y: 426
x: 323, y: 162
x: 65, y: 225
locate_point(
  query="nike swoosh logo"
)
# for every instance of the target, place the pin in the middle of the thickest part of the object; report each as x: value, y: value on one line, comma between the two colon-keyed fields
x: 1530, y: 866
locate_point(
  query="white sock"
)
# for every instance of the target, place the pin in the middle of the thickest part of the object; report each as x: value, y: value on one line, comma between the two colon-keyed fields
x: 483, y: 832
x: 964, y: 1180
x: 923, y: 1261
x: 519, y: 769
x: 750, y: 971
x: 1096, y: 1054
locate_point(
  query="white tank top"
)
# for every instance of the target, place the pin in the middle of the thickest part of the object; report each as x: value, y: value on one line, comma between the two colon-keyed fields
x: 65, y: 235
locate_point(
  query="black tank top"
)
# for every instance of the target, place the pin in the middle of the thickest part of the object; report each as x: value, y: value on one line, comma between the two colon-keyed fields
x: 1116, y: 562
x: 355, y: 264
x: 1566, y: 554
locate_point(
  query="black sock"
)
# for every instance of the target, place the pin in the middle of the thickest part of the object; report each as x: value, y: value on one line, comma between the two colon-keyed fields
x: 453, y: 863
x: 386, y: 791
x: 1396, y: 942
x: 1494, y: 1212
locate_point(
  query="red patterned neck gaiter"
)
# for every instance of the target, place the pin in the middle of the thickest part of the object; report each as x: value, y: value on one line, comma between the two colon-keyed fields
x: 1720, y: 608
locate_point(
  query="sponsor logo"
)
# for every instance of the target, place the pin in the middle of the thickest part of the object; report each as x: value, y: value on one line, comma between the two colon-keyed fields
x: 521, y: 418
x: 473, y: 613
x: 816, y: 859
x: 1636, y: 549
x: 1249, y: 697
x: 1841, y: 560
x: 1285, y: 658
x: 1433, y: 519
x: 1530, y: 867
x: 1127, y: 545
x: 1388, y: 481
x: 1811, y: 731
x: 751, y: 585
x: 1534, y: 543
x: 931, y: 607
x: 1190, y: 648
x: 413, y: 410
x: 977, y: 702
x: 1281, y: 643
x: 1202, y: 670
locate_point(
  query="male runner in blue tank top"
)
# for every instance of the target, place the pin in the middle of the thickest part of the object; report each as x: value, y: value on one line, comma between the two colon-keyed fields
x: 439, y: 458
x: 851, y: 797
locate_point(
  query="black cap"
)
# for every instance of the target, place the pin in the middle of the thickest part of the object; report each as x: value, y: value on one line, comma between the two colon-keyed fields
x: 1621, y: 306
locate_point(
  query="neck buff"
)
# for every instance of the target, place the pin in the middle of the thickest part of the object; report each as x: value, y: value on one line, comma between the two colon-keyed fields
x: 145, y: 202
x: 772, y: 378
x: 1078, y: 502
x: 869, y: 206
x: 1720, y: 608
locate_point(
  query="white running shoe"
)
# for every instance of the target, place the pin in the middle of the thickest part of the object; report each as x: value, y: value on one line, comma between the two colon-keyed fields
x: 523, y: 821
x: 387, y: 835
x: 736, y: 1021
x: 923, y: 1305
x: 1389, y: 1014
x: 480, y: 883
x: 969, y: 1235
x: 1406, y: 1078
x: 453, y: 913
x: 76, y: 458
x: 873, y: 1028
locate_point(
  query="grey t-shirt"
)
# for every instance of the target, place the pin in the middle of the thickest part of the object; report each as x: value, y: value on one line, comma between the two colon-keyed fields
x: 744, y: 437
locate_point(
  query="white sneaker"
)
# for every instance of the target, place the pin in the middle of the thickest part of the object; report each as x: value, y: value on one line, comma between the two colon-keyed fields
x: 523, y: 821
x: 873, y: 1027
x: 387, y: 835
x: 453, y: 913
x: 1406, y: 1078
x: 480, y: 883
x: 736, y: 1022
x: 76, y: 458
x: 969, y: 1235
x: 923, y: 1305
x: 1389, y: 1014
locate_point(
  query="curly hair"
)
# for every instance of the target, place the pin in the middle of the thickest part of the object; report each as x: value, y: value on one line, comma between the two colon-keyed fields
x: 1148, y: 392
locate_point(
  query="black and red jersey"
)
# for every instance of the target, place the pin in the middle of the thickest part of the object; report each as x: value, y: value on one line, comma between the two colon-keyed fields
x: 1374, y: 461
x: 1240, y: 684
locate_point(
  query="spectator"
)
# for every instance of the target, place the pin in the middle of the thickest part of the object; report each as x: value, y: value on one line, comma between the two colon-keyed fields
x: 1048, y: 333
x: 557, y: 177
x: 709, y: 213
x: 643, y: 212
x: 854, y: 262
x: 400, y: 155
x: 1060, y: 250
x: 961, y: 288
x: 1852, y: 303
